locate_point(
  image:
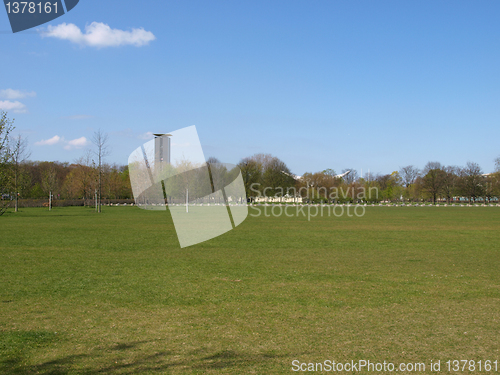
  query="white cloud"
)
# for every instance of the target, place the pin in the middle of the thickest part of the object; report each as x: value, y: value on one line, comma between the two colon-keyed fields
x: 68, y: 145
x: 147, y: 135
x: 76, y: 143
x: 15, y: 94
x: 49, y: 142
x: 16, y: 107
x: 99, y: 35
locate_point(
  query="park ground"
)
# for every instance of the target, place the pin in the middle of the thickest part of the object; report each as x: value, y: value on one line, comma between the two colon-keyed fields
x: 113, y: 293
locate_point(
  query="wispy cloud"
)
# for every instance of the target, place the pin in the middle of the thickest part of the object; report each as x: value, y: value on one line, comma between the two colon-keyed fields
x: 16, y: 107
x: 147, y: 135
x: 99, y: 35
x: 77, y: 117
x: 129, y: 133
x: 38, y: 54
x: 76, y: 143
x: 68, y: 145
x: 11, y: 104
x: 49, y: 142
x: 15, y: 94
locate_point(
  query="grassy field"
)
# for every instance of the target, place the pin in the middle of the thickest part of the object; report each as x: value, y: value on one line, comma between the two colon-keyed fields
x: 82, y: 293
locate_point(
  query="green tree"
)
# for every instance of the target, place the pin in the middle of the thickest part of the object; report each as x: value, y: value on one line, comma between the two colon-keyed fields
x: 329, y: 172
x: 265, y: 174
x: 251, y: 172
x: 433, y: 180
x: 450, y: 180
x: 385, y: 183
x: 472, y: 182
x: 397, y: 185
x: 275, y: 177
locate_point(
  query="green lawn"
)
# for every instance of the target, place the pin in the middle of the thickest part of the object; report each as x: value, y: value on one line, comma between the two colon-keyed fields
x: 86, y: 293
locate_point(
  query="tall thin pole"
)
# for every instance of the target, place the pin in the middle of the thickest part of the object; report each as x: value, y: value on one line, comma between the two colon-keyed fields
x: 187, y: 199
x: 100, y: 179
x: 50, y: 200
x: 17, y: 194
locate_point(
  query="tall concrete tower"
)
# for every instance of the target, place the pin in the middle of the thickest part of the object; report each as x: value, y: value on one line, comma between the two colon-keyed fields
x: 162, y: 150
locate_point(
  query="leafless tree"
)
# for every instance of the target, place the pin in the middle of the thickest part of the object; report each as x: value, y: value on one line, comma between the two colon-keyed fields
x: 6, y: 127
x: 432, y: 165
x: 100, y: 140
x: 351, y: 177
x: 409, y: 175
x: 19, y: 154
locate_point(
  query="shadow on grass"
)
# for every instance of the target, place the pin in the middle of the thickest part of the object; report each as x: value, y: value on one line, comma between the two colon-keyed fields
x: 229, y: 358
x: 15, y: 346
x: 17, y: 349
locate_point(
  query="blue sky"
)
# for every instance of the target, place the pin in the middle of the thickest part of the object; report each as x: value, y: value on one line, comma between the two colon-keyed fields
x: 372, y: 85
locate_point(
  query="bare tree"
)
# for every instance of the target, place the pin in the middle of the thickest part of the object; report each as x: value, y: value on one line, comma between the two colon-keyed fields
x: 432, y: 165
x: 6, y: 126
x: 409, y: 175
x: 100, y: 140
x: 213, y: 160
x: 351, y: 177
x: 497, y: 164
x: 369, y: 176
x: 262, y: 159
x: 19, y: 154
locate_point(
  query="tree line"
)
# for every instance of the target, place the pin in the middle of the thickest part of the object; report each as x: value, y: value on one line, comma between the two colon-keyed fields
x: 89, y: 178
x: 265, y: 175
x: 86, y: 178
